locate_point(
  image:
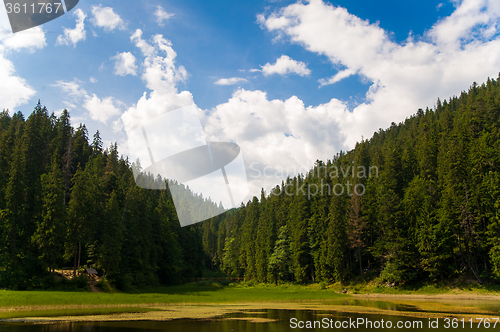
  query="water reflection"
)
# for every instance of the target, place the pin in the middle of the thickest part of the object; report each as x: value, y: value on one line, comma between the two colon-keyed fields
x: 268, y: 321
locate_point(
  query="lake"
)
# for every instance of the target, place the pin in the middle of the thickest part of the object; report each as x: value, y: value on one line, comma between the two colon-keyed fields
x: 273, y: 320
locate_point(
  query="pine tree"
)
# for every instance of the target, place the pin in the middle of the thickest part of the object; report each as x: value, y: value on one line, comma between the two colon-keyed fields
x: 112, y: 236
x: 335, y: 250
x: 356, y: 226
x: 51, y: 229
x: 280, y: 262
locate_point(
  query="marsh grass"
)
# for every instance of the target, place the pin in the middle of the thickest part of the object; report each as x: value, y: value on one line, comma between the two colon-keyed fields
x: 19, y: 304
x: 72, y: 312
x: 188, y: 293
x: 373, y: 284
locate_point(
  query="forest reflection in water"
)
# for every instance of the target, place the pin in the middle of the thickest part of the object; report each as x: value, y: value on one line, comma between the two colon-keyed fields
x: 267, y: 320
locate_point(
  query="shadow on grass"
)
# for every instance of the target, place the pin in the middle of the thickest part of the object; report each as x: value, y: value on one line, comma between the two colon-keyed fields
x: 185, y: 289
x: 72, y: 312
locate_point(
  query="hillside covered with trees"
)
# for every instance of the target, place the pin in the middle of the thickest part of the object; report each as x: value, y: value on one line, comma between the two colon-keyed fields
x: 431, y: 212
x: 427, y: 207
x: 67, y: 202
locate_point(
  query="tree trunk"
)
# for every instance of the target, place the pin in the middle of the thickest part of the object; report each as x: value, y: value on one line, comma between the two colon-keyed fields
x: 360, y: 263
x: 474, y: 272
x: 79, y: 254
x: 74, y: 261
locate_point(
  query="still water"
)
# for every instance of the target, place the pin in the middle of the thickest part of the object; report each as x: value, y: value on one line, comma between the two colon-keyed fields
x: 268, y: 321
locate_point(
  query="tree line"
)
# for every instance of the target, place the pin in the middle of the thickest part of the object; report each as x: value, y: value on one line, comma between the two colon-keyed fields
x: 432, y: 211
x: 419, y: 201
x: 65, y: 201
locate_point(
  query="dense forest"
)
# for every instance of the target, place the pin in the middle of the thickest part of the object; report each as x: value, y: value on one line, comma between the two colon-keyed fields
x: 432, y: 210
x: 418, y: 201
x: 67, y: 202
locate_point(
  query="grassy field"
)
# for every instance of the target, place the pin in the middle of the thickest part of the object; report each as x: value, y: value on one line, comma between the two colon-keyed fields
x: 20, y: 304
x: 189, y: 293
x: 206, y: 292
x: 462, y: 285
x: 206, y: 299
x: 73, y: 312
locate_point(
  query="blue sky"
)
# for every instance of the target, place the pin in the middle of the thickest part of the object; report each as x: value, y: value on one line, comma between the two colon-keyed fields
x: 290, y: 82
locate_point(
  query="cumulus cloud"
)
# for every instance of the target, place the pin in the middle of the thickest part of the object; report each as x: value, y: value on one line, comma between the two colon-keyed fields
x: 140, y: 43
x: 275, y: 135
x: 101, y: 109
x: 230, y: 81
x: 73, y: 36
x: 285, y: 136
x: 98, y: 109
x: 161, y: 76
x: 117, y: 126
x: 456, y: 51
x: 31, y: 40
x: 285, y: 65
x: 106, y: 18
x: 15, y: 90
x: 161, y: 15
x: 125, y: 64
x: 473, y: 19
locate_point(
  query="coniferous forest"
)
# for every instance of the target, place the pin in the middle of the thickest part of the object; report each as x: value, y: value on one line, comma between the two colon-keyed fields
x: 419, y: 201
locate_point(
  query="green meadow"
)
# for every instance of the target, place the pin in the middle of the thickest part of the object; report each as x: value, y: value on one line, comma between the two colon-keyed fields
x: 213, y: 292
x: 22, y: 304
x: 72, y: 312
x: 189, y: 293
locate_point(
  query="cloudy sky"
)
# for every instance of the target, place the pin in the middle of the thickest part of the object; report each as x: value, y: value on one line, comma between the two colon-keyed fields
x: 289, y: 82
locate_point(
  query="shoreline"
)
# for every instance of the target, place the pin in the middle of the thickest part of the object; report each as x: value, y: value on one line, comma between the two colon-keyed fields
x: 422, y: 306
x: 444, y: 296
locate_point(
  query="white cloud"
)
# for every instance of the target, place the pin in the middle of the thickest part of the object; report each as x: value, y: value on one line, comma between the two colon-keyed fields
x: 69, y: 105
x: 77, y: 120
x: 117, y: 126
x: 458, y: 50
x: 275, y: 133
x: 72, y: 89
x: 161, y: 76
x: 31, y: 39
x: 73, y: 36
x: 230, y: 81
x: 106, y: 18
x: 145, y: 48
x: 160, y: 72
x: 337, y: 77
x: 285, y: 65
x: 161, y: 15
x: 286, y: 135
x: 458, y: 28
x: 125, y: 64
x: 101, y: 109
x: 93, y: 79
x: 15, y: 90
